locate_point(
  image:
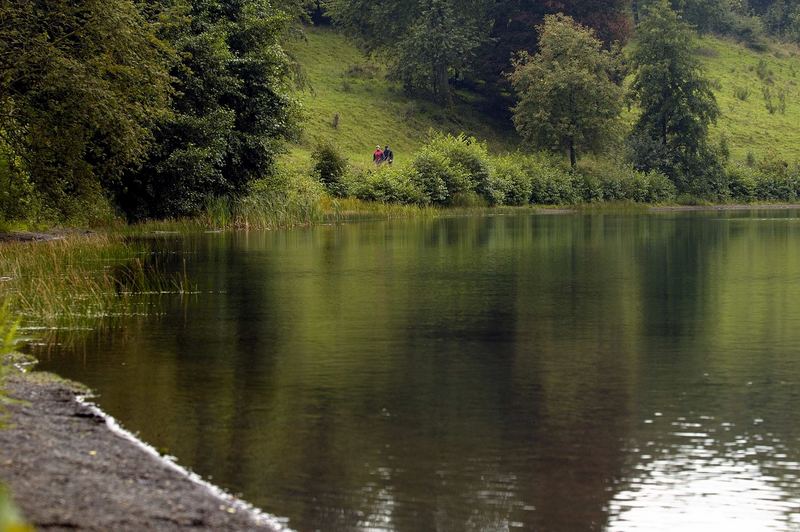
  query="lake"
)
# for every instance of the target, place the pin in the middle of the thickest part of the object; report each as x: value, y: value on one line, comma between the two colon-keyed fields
x: 558, y: 372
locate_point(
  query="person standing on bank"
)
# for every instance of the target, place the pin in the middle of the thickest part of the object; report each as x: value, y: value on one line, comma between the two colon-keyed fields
x: 377, y: 156
x: 388, y: 155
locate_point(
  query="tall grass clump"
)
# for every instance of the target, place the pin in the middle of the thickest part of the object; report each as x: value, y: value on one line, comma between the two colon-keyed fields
x: 8, y: 342
x: 79, y: 281
x: 8, y: 330
x: 218, y: 212
x: 288, y: 198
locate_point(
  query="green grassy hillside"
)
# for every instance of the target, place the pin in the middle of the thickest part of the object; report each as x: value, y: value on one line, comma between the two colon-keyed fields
x: 746, y: 121
x: 373, y: 110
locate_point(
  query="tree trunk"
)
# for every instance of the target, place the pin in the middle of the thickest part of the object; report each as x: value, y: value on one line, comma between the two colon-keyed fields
x: 441, y: 85
x: 573, y: 157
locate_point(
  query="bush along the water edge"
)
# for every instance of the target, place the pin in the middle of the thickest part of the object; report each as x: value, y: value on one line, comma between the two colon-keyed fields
x: 457, y: 170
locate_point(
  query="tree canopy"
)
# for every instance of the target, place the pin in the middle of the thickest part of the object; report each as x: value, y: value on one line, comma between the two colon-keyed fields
x: 425, y: 41
x: 232, y: 110
x: 567, y: 99
x: 81, y: 85
x: 676, y: 100
x: 160, y: 105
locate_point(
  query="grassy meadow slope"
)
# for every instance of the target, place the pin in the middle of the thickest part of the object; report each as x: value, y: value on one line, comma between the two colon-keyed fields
x: 745, y: 120
x: 373, y: 110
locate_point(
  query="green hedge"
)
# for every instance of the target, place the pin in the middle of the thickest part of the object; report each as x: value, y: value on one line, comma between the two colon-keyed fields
x: 458, y: 170
x: 773, y: 180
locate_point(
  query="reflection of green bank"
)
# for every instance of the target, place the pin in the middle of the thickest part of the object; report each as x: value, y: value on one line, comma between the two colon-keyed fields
x: 471, y: 371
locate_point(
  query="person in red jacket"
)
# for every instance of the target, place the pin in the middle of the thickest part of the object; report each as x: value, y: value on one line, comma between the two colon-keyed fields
x: 377, y: 156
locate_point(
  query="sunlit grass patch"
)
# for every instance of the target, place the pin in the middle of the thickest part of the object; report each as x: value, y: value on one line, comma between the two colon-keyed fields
x: 759, y: 96
x: 372, y: 110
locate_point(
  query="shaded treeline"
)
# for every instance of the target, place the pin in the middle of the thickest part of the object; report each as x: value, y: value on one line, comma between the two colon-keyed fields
x: 152, y: 109
x: 157, y: 105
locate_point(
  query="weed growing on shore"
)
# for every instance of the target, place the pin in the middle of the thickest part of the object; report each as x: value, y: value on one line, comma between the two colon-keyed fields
x: 10, y: 519
x: 78, y: 282
x: 8, y: 331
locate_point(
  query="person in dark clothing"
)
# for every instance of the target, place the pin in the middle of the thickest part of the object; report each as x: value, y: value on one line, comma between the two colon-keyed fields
x: 388, y: 155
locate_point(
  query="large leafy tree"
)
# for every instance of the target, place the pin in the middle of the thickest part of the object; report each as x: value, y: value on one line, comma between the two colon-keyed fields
x: 233, y: 108
x: 426, y: 42
x: 676, y: 100
x: 568, y: 100
x: 515, y: 24
x: 81, y: 85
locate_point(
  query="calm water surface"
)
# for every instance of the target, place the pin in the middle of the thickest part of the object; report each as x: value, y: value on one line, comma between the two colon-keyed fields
x: 578, y: 372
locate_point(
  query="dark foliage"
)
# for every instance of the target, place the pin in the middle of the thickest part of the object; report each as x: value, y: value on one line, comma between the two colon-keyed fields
x: 232, y: 113
x: 330, y: 168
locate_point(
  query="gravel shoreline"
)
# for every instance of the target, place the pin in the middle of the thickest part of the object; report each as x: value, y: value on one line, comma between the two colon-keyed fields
x: 70, y: 467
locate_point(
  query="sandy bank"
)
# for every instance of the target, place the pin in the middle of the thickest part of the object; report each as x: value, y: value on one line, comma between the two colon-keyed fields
x: 70, y: 467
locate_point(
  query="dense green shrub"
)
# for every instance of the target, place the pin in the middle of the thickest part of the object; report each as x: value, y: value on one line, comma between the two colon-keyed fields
x: 467, y: 154
x: 388, y: 184
x: 506, y: 180
x: 433, y: 174
x: 777, y: 186
x: 496, y: 188
x: 330, y: 167
x: 466, y: 160
x: 770, y: 179
x: 551, y: 184
x: 508, y: 184
x: 17, y: 195
x: 616, y: 181
x: 743, y: 181
x: 660, y: 188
